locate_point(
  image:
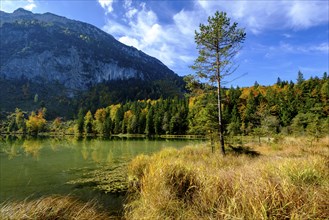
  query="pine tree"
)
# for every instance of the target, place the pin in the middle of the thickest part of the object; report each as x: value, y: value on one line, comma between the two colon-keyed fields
x: 80, y: 122
x: 300, y: 78
x: 149, y: 128
x: 218, y: 42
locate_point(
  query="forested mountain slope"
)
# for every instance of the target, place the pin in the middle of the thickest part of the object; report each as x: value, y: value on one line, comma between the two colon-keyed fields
x: 59, y: 59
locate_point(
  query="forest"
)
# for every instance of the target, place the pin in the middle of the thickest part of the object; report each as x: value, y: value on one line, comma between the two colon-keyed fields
x: 299, y: 108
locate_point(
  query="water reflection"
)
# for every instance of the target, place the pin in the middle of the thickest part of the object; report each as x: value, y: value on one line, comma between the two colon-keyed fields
x: 44, y: 166
x: 32, y: 148
x: 85, y: 152
x: 10, y: 146
x: 97, y: 150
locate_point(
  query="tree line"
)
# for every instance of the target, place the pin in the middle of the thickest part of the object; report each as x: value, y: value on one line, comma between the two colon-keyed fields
x: 300, y: 108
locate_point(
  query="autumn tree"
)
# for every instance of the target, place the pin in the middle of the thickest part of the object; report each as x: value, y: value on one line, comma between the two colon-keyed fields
x: 88, y: 123
x: 100, y: 121
x: 36, y: 122
x: 56, y: 125
x: 218, y: 43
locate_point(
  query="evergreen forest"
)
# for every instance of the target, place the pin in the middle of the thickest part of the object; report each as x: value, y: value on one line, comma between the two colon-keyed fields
x: 300, y: 108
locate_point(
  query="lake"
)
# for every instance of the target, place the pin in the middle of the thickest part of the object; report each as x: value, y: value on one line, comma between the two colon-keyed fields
x: 32, y: 168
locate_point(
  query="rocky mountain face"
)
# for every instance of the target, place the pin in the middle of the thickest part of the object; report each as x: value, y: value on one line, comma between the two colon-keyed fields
x: 42, y: 51
x: 47, y: 48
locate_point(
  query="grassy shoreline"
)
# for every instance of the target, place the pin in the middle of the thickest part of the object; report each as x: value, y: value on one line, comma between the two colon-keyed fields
x: 290, y: 180
x: 285, y: 179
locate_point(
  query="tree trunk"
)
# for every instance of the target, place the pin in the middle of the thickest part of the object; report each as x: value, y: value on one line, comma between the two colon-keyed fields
x: 220, y: 119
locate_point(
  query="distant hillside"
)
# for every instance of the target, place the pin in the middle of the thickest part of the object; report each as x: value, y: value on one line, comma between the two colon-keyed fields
x: 62, y: 59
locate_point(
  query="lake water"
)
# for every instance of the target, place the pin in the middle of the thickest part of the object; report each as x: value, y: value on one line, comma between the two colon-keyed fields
x: 31, y: 168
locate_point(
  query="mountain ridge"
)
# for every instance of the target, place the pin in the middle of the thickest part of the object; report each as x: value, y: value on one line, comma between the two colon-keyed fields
x: 78, y: 48
x: 41, y: 51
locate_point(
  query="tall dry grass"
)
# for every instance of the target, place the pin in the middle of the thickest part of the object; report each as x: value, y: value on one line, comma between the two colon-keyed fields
x: 51, y: 208
x: 288, y: 181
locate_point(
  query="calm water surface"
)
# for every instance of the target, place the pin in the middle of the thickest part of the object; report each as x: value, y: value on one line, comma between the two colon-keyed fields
x: 39, y: 167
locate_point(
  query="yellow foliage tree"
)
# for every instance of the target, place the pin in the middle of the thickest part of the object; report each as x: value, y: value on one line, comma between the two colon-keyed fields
x: 36, y: 122
x: 100, y: 117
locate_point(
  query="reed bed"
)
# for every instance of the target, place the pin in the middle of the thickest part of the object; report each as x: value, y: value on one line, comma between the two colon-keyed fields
x: 289, y: 180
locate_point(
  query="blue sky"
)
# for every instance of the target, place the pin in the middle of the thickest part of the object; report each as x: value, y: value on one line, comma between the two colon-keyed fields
x: 283, y: 36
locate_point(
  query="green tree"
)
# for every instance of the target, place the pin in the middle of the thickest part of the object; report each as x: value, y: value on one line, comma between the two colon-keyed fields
x: 203, y: 115
x: 233, y: 127
x: 20, y: 120
x: 12, y: 126
x: 279, y: 81
x: 118, y: 119
x: 149, y: 128
x: 133, y: 125
x: 79, y: 127
x: 269, y: 125
x: 218, y: 43
x: 300, y: 78
x: 250, y: 118
x: 108, y: 123
x: 313, y: 128
x: 165, y: 123
x: 142, y: 122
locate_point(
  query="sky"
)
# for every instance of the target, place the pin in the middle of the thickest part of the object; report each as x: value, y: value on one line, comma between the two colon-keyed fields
x: 283, y: 36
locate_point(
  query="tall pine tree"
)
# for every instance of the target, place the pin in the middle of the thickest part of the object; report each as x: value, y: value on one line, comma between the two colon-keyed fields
x: 218, y: 42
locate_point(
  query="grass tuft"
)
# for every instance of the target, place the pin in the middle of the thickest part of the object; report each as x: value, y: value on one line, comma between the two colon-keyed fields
x: 51, y: 208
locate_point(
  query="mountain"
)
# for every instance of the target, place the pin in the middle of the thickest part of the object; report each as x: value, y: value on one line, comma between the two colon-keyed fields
x: 58, y: 58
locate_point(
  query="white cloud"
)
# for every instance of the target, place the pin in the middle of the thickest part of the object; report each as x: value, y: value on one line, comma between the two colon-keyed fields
x: 142, y: 29
x: 30, y: 6
x: 258, y: 16
x: 304, y: 49
x: 11, y: 5
x: 286, y: 48
x: 305, y: 14
x: 107, y: 5
x: 130, y: 41
x: 187, y: 21
x: 287, y: 35
x: 136, y: 24
x: 320, y: 48
x: 115, y: 28
x: 130, y: 13
x: 187, y: 59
